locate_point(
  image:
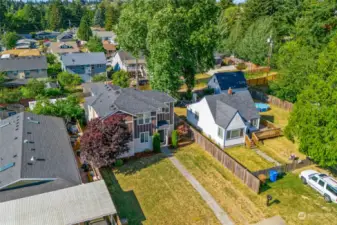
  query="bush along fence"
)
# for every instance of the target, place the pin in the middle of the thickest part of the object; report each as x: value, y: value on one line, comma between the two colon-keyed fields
x: 227, y: 161
x: 259, y: 95
x: 296, y: 164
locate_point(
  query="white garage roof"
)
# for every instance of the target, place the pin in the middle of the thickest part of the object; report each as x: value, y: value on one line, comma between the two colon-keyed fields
x: 62, y: 207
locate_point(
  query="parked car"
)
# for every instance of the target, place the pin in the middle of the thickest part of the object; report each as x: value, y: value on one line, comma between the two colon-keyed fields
x: 322, y: 183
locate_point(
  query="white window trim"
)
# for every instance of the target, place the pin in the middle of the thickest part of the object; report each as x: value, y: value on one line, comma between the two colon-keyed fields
x: 222, y: 132
x: 232, y: 138
x: 143, y: 119
x: 144, y: 133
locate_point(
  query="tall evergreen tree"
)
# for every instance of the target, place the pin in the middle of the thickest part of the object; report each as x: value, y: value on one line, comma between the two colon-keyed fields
x: 55, y: 15
x: 84, y: 31
x: 98, y: 18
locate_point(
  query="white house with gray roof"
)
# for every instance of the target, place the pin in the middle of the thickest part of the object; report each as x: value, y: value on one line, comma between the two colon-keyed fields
x: 123, y: 60
x: 36, y: 156
x: 226, y: 117
x: 145, y: 112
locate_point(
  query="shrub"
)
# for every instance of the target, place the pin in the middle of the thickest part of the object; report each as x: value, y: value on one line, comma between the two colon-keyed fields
x: 182, y: 130
x: 241, y: 66
x: 208, y: 91
x: 175, y: 139
x: 119, y: 162
x: 156, y: 142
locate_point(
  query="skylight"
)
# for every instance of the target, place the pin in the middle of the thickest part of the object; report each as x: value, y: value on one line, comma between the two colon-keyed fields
x: 6, y: 167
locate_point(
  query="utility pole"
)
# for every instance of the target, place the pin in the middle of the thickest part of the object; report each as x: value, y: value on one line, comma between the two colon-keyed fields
x: 69, y: 24
x: 270, y: 52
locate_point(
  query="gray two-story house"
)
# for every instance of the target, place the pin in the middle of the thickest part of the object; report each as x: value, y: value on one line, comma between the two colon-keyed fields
x: 84, y: 64
x: 23, y: 68
x: 146, y: 112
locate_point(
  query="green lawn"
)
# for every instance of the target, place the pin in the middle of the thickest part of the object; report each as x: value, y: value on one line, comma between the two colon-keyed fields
x: 247, y: 157
x: 152, y: 191
x: 245, y: 207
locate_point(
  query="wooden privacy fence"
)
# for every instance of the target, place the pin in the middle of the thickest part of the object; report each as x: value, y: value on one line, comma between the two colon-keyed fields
x: 259, y: 95
x: 296, y: 164
x: 261, y: 80
x: 227, y: 161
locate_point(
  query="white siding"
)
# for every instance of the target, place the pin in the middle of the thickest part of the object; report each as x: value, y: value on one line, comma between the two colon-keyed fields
x: 236, y: 123
x: 213, y: 83
x: 206, y: 122
x: 117, y: 59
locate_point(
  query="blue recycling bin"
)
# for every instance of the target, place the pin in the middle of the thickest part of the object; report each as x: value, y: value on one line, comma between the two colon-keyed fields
x: 273, y: 175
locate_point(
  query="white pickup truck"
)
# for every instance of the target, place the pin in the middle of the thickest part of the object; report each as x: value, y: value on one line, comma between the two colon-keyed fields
x: 322, y: 183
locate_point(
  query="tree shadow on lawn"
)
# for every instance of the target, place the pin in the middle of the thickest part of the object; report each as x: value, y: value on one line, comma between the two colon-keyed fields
x: 126, y: 203
x: 266, y: 186
x: 135, y: 165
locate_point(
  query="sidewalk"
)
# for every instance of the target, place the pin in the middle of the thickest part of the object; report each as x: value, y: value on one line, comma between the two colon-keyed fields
x: 218, y: 211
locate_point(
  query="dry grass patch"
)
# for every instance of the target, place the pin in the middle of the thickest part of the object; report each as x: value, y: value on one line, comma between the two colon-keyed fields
x: 180, y: 111
x: 290, y: 196
x: 247, y: 157
x: 201, y: 81
x: 221, y: 184
x: 276, y: 115
x: 152, y: 191
x: 280, y: 149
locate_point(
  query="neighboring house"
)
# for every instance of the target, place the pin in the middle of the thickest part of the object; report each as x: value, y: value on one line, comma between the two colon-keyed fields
x: 24, y: 67
x: 21, y: 52
x: 26, y: 44
x: 86, y: 204
x: 46, y: 35
x: 109, y: 48
x: 104, y: 35
x: 61, y: 48
x: 222, y: 81
x: 52, y: 84
x: 8, y: 110
x: 123, y: 60
x: 226, y: 117
x: 32, y: 104
x: 26, y: 36
x: 85, y: 64
x: 36, y: 156
x: 146, y: 112
x: 65, y: 36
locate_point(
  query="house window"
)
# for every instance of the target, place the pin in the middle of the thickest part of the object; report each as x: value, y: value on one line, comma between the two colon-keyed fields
x: 144, y: 137
x: 164, y: 110
x: 233, y: 134
x: 144, y: 118
x: 220, y: 132
x: 255, y: 122
x: 196, y: 115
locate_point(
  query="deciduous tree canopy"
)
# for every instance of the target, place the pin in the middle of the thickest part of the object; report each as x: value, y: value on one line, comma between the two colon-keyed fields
x: 103, y: 141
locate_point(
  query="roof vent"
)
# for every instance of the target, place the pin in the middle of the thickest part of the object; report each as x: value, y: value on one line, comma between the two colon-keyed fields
x: 30, y: 164
x: 40, y: 159
x: 26, y: 141
x: 32, y: 159
x: 32, y: 149
x: 30, y: 119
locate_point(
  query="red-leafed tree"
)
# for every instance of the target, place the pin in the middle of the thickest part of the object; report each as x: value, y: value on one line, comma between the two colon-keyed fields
x: 103, y: 141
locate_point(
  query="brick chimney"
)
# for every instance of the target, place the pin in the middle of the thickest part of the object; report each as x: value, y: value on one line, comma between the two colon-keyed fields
x: 230, y: 91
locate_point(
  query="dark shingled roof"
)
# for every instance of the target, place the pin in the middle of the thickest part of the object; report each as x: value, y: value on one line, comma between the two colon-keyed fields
x: 45, y: 138
x: 109, y: 99
x: 23, y: 63
x: 224, y: 107
x: 232, y: 80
